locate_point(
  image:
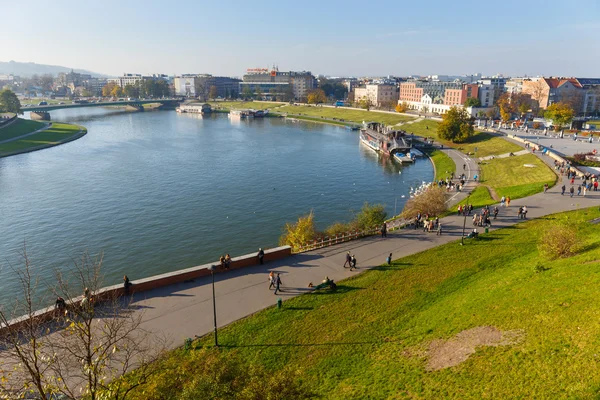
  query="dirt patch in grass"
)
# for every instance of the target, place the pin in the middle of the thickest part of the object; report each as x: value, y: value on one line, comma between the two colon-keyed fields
x: 448, y: 353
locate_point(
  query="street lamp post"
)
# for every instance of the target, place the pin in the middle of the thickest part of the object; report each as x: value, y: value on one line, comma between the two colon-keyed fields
x: 462, y: 239
x: 212, y: 272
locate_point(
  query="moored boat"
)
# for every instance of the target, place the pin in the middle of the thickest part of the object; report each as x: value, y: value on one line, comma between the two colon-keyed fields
x: 383, y: 139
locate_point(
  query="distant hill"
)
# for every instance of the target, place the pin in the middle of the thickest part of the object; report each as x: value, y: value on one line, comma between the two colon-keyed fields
x: 26, y: 69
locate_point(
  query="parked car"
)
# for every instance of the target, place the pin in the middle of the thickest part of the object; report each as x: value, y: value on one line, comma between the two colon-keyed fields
x: 43, y: 103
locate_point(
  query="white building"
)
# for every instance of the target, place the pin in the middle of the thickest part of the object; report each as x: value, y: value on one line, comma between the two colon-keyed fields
x: 486, y: 95
x: 185, y: 85
x: 377, y: 95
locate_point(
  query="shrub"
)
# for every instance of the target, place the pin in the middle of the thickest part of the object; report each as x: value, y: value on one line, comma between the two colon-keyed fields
x: 303, y: 231
x: 337, y: 229
x: 559, y: 242
x: 370, y: 216
x: 431, y: 202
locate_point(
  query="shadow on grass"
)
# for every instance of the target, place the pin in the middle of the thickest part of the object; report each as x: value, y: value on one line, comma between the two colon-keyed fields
x: 356, y: 343
x: 340, y: 289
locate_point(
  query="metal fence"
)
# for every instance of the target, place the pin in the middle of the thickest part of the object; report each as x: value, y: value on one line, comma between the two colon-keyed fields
x: 348, y: 236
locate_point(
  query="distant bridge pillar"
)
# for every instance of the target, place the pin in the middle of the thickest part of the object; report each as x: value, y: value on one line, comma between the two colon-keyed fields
x: 40, y: 115
x: 134, y: 107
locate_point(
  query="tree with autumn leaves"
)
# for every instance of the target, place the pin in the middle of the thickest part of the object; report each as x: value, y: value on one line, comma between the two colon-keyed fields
x: 560, y: 113
x: 511, y: 103
x: 316, y: 96
x: 456, y: 126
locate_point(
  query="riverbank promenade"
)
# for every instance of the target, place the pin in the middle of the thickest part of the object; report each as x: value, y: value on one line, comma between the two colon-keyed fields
x: 185, y: 310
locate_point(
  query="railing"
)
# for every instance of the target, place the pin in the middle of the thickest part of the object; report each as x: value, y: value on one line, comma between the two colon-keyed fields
x: 348, y: 236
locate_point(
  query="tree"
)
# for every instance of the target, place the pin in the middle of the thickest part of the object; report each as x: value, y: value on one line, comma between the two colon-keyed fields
x: 298, y: 234
x: 116, y: 91
x: 131, y: 91
x: 472, y: 102
x: 388, y: 104
x: 213, y: 92
x: 402, y: 107
x: 46, y: 81
x: 431, y: 202
x: 97, y: 340
x: 370, y: 216
x: 107, y: 89
x: 365, y: 103
x: 491, y: 114
x: 456, y: 125
x: 560, y: 113
x: 246, y: 92
x: 505, y: 107
x: 257, y: 93
x: 316, y: 96
x: 9, y: 102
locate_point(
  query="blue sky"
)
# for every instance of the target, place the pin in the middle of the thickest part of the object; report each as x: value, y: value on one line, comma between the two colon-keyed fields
x: 326, y: 37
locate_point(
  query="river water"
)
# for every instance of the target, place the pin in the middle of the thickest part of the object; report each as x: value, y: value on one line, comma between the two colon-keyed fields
x: 159, y: 191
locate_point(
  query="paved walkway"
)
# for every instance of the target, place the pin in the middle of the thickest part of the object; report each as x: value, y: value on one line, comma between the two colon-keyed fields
x: 185, y: 310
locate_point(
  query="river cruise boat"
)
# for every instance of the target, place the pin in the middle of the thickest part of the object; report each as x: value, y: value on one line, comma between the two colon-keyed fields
x: 194, y: 108
x: 248, y: 113
x: 384, y: 139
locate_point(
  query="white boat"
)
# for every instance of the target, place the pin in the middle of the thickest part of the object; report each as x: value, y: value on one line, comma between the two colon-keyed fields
x: 416, y: 152
x: 403, y: 158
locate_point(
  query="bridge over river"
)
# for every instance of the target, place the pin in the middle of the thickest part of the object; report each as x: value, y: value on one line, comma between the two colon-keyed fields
x: 43, y: 112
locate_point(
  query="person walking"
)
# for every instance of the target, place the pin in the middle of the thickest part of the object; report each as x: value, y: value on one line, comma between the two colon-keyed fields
x: 563, y: 190
x: 439, y: 230
x: 496, y: 212
x: 348, y: 260
x: 126, y: 284
x: 271, y: 280
x: 524, y: 212
x: 261, y: 256
x: 584, y: 191
x: 545, y: 187
x: 384, y: 230
x: 507, y: 201
x: 389, y: 259
x: 352, y: 263
x: 572, y: 191
x: 579, y: 190
x: 278, y: 284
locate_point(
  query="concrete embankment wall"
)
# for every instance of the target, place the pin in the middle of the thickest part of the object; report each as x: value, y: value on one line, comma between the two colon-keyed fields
x: 154, y: 282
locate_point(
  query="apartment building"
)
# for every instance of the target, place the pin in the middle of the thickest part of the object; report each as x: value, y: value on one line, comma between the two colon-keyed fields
x: 276, y: 82
x: 378, y: 95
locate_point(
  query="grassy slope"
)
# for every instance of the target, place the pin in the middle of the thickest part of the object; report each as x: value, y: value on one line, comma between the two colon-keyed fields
x: 56, y: 134
x: 357, y: 116
x: 444, y: 166
x: 362, y: 341
x: 485, y: 143
x: 479, y: 197
x: 20, y: 127
x: 510, y: 178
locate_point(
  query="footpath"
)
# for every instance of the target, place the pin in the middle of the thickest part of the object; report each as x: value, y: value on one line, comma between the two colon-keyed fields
x: 185, y: 310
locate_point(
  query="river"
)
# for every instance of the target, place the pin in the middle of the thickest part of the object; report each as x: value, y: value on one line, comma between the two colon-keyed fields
x: 158, y: 191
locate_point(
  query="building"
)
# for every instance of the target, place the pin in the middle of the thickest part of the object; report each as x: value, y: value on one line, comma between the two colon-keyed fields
x: 185, y: 85
x: 436, y: 96
x: 225, y: 87
x: 514, y: 85
x: 377, y: 94
x: 134, y: 79
x: 591, y: 100
x: 497, y: 84
x: 276, y: 83
x: 487, y: 95
x: 546, y: 91
x: 457, y: 97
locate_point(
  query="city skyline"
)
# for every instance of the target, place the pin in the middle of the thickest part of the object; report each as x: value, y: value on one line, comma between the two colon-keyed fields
x: 538, y: 38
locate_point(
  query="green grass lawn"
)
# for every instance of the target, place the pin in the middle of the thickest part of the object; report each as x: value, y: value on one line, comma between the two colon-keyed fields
x: 314, y: 119
x: 485, y: 143
x: 479, y: 197
x: 509, y: 177
x: 444, y: 166
x: 357, y: 116
x: 56, y: 134
x: 35, y: 102
x: 369, y: 339
x: 19, y: 128
x: 235, y: 105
